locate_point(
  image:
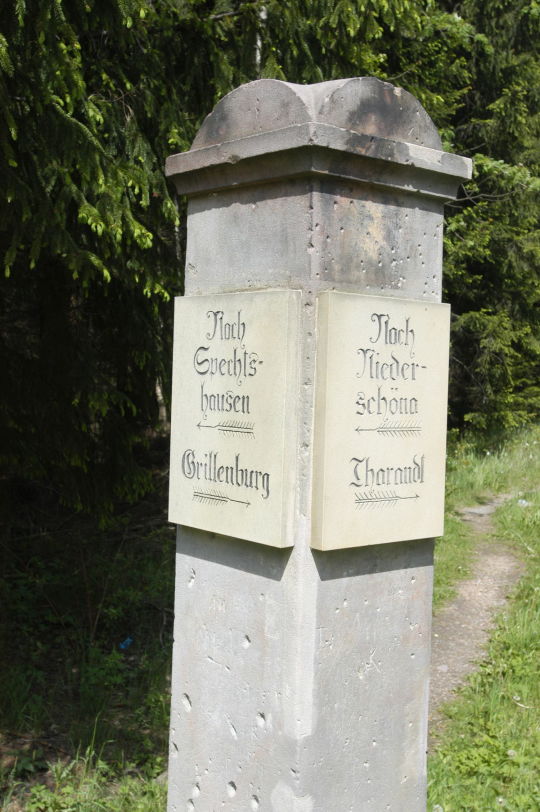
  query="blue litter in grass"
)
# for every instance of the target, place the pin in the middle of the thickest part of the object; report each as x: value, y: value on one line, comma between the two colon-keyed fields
x: 125, y: 644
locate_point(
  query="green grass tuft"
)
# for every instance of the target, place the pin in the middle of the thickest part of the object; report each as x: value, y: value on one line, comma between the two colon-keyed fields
x: 473, y: 476
x: 87, y: 785
x: 488, y: 758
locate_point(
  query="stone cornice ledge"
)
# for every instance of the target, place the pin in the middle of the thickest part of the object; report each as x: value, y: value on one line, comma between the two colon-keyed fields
x: 314, y: 148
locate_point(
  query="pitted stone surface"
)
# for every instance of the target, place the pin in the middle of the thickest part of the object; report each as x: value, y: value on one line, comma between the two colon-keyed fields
x: 350, y: 128
x: 300, y: 677
x: 361, y: 105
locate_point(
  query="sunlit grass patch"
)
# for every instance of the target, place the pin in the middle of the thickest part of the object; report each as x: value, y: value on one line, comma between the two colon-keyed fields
x: 475, y: 475
x: 488, y: 758
x: 88, y: 784
x: 476, y: 472
x: 452, y: 559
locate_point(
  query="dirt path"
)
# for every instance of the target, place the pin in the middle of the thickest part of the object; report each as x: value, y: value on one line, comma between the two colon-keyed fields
x: 461, y: 628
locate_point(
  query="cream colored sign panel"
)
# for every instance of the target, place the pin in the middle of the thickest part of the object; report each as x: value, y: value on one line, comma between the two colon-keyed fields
x: 380, y: 420
x: 233, y: 433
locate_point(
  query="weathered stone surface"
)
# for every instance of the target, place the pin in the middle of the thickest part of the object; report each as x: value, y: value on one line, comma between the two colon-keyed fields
x: 233, y: 421
x: 360, y: 105
x: 350, y: 128
x: 300, y: 677
x: 380, y: 420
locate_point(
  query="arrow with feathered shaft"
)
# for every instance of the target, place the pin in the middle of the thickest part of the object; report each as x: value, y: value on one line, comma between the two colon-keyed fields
x: 234, y: 427
x: 381, y: 498
x: 216, y: 498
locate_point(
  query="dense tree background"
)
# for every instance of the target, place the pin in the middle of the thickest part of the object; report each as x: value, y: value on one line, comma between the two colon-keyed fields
x: 95, y: 93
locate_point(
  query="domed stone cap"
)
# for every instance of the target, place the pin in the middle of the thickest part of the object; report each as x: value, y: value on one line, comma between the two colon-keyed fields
x: 362, y: 105
x: 360, y: 130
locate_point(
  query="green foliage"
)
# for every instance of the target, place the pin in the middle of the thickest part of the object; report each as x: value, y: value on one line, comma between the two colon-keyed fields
x: 85, y: 785
x: 478, y: 468
x: 492, y: 242
x: 452, y: 557
x: 87, y: 244
x: 86, y: 665
x: 489, y: 755
x: 94, y: 95
x: 89, y: 628
x: 475, y: 471
x: 315, y: 42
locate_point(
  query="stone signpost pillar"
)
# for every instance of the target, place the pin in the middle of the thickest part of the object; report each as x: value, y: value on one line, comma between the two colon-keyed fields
x: 307, y: 451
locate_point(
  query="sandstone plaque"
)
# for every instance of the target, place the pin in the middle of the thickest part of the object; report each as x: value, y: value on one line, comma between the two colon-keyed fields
x: 233, y: 429
x: 380, y: 420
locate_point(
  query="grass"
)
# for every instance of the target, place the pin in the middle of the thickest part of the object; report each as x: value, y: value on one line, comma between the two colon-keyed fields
x: 490, y: 752
x: 87, y: 784
x: 473, y: 475
x: 86, y: 650
x: 78, y: 593
x: 452, y: 559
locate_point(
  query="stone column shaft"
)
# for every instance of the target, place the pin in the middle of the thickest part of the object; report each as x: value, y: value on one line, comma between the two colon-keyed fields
x: 300, y: 678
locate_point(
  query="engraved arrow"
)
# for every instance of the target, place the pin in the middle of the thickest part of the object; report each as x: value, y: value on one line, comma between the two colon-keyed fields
x: 394, y: 430
x: 232, y: 427
x: 215, y: 498
x: 384, y: 497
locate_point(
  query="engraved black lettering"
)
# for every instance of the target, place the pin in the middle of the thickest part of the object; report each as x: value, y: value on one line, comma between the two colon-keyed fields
x: 388, y: 333
x: 225, y: 330
x: 210, y: 468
